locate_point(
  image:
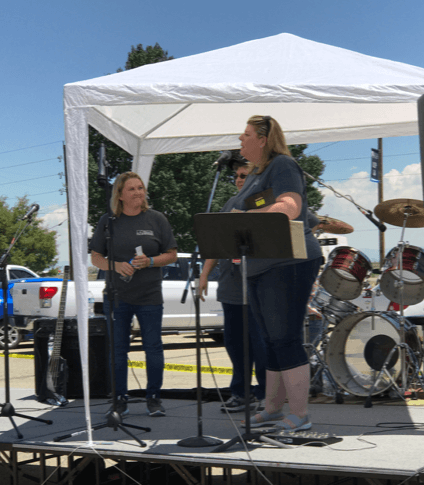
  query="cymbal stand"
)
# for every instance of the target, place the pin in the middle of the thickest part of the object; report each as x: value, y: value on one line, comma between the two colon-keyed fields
x: 402, y: 346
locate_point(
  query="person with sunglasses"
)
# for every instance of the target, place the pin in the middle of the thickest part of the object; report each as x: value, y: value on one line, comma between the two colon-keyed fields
x: 279, y: 289
x: 230, y: 295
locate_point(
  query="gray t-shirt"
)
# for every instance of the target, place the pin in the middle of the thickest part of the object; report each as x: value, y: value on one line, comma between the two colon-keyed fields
x: 150, y: 230
x: 283, y: 175
x: 230, y: 283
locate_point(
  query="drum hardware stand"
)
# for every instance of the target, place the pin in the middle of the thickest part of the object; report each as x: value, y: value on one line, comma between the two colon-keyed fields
x: 367, y: 213
x: 323, y: 368
x: 403, y: 347
x: 7, y: 409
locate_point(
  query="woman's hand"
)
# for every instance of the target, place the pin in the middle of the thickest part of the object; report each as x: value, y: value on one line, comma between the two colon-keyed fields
x: 124, y: 268
x: 203, y: 286
x: 141, y: 262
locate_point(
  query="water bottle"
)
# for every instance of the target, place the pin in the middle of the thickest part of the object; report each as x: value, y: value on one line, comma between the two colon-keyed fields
x: 127, y: 278
x: 139, y: 252
x: 90, y: 305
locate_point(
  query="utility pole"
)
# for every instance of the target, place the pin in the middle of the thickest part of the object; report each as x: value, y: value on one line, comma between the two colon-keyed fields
x: 71, y: 267
x: 380, y: 198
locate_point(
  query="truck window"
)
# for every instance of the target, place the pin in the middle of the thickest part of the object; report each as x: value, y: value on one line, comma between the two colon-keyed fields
x: 178, y: 271
x: 20, y: 273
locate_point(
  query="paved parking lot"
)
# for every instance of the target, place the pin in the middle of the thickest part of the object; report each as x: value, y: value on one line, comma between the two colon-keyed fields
x: 180, y: 350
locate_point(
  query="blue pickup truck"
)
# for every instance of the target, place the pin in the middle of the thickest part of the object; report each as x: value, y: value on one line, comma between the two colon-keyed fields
x: 16, y: 331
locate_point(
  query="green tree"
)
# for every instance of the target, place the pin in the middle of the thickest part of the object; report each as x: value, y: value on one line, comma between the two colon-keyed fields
x: 151, y: 55
x: 36, y: 247
x: 180, y: 187
x: 314, y: 166
x: 118, y: 159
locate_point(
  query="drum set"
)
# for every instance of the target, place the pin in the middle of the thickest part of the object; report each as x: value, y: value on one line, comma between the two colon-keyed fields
x: 372, y: 352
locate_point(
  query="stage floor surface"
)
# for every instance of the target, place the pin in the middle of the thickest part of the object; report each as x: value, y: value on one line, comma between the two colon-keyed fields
x: 385, y: 441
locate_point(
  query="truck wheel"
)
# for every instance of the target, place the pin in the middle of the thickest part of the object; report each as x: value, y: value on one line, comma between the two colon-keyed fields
x: 217, y: 337
x: 15, y: 337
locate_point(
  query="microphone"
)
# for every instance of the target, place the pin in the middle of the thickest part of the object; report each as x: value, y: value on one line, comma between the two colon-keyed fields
x: 224, y: 158
x: 368, y: 215
x: 101, y: 176
x: 34, y: 208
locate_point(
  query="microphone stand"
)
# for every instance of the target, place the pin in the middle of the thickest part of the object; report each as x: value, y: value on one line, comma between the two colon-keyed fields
x: 114, y: 419
x: 208, y: 209
x: 200, y: 440
x: 367, y: 213
x: 7, y: 409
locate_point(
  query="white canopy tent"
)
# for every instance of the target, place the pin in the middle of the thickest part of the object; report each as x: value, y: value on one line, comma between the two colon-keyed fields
x: 318, y: 93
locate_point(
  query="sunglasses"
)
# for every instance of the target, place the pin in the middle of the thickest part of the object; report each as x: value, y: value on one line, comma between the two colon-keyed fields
x: 241, y: 175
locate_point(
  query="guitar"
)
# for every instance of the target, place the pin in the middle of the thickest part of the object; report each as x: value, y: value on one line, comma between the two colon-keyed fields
x: 53, y: 385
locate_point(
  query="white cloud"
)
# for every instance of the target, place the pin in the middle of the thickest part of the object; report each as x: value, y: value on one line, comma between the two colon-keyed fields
x: 396, y: 185
x: 57, y: 220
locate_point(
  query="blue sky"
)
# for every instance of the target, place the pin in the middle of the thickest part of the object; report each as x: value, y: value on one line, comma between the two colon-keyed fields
x: 48, y: 44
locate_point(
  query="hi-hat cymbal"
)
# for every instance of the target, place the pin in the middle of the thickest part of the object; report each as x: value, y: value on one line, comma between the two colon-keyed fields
x: 333, y: 226
x: 394, y: 212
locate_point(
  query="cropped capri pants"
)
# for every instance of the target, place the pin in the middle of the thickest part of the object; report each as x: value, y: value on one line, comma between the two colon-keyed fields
x: 278, y: 299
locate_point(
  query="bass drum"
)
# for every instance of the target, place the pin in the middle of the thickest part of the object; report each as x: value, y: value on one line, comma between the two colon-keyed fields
x: 358, y: 347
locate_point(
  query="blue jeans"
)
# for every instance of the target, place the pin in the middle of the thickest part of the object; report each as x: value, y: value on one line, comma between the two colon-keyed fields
x: 150, y: 320
x: 279, y: 298
x: 233, y: 338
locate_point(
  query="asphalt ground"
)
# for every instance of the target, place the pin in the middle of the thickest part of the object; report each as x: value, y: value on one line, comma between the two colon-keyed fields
x: 180, y: 364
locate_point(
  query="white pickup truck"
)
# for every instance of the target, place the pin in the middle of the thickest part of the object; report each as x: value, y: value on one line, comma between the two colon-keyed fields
x: 36, y: 299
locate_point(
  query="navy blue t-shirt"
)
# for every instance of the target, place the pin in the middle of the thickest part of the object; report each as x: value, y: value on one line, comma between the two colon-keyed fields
x: 283, y: 175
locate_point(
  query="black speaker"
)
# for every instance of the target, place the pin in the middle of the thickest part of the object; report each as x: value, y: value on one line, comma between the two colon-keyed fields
x: 98, y: 355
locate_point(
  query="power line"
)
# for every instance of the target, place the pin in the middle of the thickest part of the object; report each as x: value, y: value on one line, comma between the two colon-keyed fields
x: 29, y: 180
x: 28, y: 163
x: 367, y: 178
x: 28, y: 148
x: 366, y: 158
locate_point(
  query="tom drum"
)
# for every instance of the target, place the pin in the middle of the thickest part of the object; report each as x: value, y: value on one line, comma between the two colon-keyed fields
x: 412, y: 275
x: 344, y: 273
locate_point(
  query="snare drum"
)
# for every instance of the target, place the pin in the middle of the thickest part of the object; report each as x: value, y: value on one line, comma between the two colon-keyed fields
x: 345, y: 272
x: 337, y: 310
x: 321, y: 298
x: 359, y: 346
x: 412, y: 275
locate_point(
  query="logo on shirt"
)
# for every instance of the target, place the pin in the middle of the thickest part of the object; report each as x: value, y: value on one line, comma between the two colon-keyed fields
x: 144, y: 232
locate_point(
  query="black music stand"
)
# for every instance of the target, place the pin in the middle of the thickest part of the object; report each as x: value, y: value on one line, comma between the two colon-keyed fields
x: 244, y: 235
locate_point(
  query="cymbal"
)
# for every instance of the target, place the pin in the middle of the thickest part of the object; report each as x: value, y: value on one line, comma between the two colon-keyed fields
x: 333, y: 226
x: 393, y: 212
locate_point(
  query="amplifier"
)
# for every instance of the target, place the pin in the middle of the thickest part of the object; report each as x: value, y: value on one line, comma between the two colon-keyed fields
x: 44, y: 329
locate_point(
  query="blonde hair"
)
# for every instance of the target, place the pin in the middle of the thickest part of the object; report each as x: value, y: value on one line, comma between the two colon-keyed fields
x: 275, y: 140
x: 115, y: 202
